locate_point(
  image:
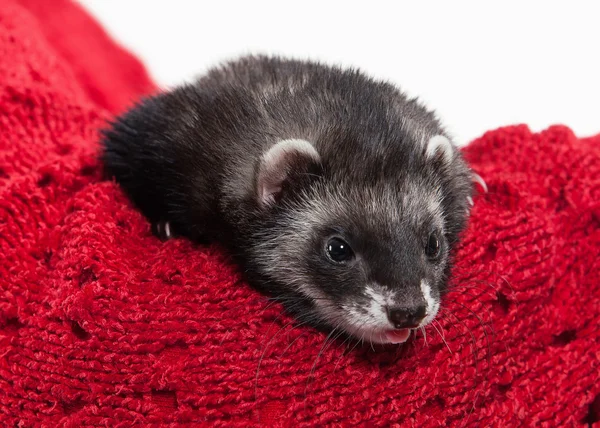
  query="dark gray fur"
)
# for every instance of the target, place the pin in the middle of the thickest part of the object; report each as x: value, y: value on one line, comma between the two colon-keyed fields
x: 189, y: 156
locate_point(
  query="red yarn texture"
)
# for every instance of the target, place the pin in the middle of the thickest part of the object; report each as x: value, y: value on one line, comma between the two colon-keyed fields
x: 102, y: 324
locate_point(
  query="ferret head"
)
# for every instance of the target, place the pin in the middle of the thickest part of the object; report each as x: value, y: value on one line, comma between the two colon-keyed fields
x: 368, y: 245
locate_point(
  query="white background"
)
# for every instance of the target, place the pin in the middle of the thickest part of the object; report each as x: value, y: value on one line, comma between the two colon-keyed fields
x: 479, y: 65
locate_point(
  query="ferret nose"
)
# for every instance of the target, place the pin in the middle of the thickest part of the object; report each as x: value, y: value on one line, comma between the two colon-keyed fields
x: 406, y: 318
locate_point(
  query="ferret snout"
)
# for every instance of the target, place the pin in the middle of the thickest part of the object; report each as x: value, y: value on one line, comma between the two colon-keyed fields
x: 409, y: 308
x: 406, y: 317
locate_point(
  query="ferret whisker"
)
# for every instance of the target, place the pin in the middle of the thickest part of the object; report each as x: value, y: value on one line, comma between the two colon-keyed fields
x: 476, y: 297
x: 424, y: 336
x: 489, y: 322
x: 355, y: 344
x: 346, y: 342
x: 340, y: 333
x: 263, y: 355
x: 483, y: 325
x: 362, y: 341
x: 487, y: 283
x: 295, y: 340
x: 441, y: 336
x: 474, y: 351
x: 314, y: 366
x: 349, y: 339
x: 507, y: 282
x: 271, y: 303
x: 474, y: 273
x: 472, y: 408
x: 466, y: 287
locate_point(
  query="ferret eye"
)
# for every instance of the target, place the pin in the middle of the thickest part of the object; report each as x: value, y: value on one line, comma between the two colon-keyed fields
x: 433, y: 247
x: 338, y: 250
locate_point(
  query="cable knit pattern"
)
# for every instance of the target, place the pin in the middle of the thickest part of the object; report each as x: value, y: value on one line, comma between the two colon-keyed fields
x: 103, y: 324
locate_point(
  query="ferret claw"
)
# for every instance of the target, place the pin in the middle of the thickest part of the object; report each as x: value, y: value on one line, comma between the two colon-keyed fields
x: 470, y: 200
x: 162, y: 230
x: 477, y: 179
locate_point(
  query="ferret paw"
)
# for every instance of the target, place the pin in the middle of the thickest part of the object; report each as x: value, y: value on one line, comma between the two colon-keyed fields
x: 162, y: 230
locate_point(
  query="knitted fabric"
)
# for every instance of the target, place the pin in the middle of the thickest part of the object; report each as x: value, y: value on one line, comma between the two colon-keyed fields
x: 103, y: 324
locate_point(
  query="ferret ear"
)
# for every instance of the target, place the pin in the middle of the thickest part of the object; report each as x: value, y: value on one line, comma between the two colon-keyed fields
x: 286, y: 163
x: 439, y: 145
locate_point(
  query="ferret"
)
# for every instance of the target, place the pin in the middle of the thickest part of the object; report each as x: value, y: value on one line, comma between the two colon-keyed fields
x: 335, y: 193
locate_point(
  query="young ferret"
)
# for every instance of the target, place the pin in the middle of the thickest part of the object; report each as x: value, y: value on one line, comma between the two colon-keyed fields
x: 336, y: 193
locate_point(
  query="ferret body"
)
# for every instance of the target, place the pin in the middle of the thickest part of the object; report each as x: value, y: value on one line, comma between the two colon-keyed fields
x: 335, y: 193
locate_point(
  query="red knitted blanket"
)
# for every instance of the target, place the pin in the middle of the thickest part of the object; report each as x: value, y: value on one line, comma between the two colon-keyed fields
x: 102, y: 324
